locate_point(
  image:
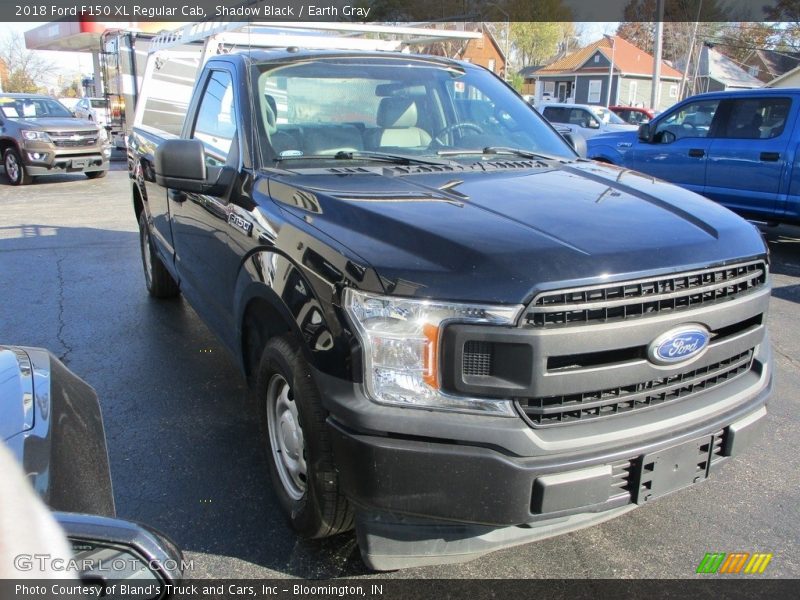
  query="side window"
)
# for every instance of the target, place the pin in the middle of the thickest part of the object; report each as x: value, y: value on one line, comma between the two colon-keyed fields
x: 756, y: 118
x: 555, y: 114
x: 215, y: 125
x: 689, y: 121
x: 583, y: 118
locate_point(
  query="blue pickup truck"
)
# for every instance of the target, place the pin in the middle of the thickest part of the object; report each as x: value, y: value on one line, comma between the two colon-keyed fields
x: 737, y: 148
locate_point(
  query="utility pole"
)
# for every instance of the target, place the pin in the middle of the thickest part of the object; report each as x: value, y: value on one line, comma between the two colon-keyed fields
x: 655, y: 92
x: 685, y: 75
x: 610, y: 68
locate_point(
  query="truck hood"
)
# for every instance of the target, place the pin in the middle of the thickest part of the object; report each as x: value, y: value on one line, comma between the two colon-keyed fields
x: 57, y: 124
x: 504, y: 234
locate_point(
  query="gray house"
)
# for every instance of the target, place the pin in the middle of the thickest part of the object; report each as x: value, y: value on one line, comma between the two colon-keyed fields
x: 718, y: 73
x: 584, y: 76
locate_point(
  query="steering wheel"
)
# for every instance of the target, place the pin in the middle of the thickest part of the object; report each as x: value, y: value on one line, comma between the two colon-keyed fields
x: 455, y: 126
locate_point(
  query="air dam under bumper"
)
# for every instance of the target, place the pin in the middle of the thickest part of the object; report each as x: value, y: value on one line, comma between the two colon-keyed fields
x: 424, y: 502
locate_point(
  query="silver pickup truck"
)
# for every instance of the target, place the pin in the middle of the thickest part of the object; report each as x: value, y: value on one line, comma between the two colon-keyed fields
x: 40, y: 136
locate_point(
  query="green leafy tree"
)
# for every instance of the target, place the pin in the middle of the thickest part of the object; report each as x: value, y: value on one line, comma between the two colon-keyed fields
x: 27, y: 70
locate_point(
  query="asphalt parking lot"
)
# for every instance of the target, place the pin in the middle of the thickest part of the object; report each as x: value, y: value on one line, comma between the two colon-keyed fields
x: 184, y: 444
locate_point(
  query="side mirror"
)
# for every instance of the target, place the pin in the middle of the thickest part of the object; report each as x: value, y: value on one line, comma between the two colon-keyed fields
x: 645, y: 134
x: 111, y: 550
x: 577, y: 141
x: 592, y: 124
x: 181, y: 165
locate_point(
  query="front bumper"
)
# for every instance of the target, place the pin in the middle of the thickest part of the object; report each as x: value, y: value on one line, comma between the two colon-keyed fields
x: 45, y: 159
x: 438, y: 497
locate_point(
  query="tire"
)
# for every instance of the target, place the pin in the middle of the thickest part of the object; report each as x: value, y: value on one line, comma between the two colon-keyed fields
x: 287, y: 397
x: 15, y: 170
x: 158, y: 280
x: 96, y: 174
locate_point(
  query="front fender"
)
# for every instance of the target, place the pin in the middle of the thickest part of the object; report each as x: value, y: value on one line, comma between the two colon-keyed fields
x: 605, y: 153
x: 305, y: 302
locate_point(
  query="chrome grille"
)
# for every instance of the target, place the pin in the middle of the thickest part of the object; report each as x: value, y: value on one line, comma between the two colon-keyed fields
x: 554, y: 410
x: 644, y: 297
x: 73, y: 139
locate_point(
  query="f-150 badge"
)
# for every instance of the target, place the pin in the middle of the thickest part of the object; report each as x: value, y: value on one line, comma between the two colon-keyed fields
x: 239, y: 222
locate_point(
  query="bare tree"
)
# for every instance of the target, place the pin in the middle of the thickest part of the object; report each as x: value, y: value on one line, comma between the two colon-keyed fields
x: 26, y: 69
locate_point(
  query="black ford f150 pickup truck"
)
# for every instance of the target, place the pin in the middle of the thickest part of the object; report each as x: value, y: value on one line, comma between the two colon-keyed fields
x: 461, y: 336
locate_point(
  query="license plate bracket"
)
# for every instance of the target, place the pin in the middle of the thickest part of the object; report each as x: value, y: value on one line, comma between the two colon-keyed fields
x: 674, y: 468
x: 79, y: 163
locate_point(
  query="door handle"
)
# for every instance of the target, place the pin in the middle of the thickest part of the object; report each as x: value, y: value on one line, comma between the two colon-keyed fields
x: 770, y: 156
x: 176, y: 195
x: 697, y: 153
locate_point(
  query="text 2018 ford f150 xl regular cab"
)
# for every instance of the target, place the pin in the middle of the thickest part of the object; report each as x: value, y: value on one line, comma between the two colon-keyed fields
x: 460, y: 335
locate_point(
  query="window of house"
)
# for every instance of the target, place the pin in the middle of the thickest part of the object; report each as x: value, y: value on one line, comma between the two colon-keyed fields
x: 753, y: 71
x: 491, y: 65
x: 595, y: 87
x: 673, y: 91
x: 597, y: 58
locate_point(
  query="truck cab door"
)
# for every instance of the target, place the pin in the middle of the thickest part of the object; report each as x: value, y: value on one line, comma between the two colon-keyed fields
x: 679, y: 145
x: 207, y: 228
x: 747, y: 160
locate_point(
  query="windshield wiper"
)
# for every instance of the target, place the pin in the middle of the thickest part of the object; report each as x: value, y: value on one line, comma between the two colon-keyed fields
x: 397, y: 159
x: 501, y: 150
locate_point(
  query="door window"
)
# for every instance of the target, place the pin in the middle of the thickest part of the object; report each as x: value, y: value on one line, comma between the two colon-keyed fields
x: 756, y: 118
x: 216, y: 119
x: 691, y: 120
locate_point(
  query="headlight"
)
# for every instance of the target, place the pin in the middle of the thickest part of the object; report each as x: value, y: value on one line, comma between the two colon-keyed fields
x: 102, y: 135
x: 401, y: 339
x: 38, y: 136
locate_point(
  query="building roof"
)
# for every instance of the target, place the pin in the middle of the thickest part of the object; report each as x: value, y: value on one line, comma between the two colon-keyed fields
x: 778, y: 63
x: 528, y: 71
x: 628, y: 59
x: 719, y: 67
x: 781, y: 78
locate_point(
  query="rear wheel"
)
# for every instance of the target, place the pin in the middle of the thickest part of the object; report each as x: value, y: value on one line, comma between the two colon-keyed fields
x: 300, y: 456
x: 159, y: 281
x: 96, y: 174
x: 15, y: 170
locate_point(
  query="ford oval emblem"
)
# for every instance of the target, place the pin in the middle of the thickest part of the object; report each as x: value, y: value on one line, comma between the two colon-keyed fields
x: 679, y: 345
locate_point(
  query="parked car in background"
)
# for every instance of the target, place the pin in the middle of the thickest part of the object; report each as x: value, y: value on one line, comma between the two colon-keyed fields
x: 585, y: 119
x: 69, y: 102
x: 92, y: 109
x: 40, y: 136
x: 738, y: 148
x: 633, y: 114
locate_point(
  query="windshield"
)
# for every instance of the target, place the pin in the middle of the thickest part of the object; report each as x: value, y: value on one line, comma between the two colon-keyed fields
x: 360, y: 107
x: 99, y: 103
x: 31, y: 108
x: 607, y: 116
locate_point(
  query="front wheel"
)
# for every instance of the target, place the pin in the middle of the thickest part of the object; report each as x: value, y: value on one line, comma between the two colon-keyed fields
x: 300, y: 456
x: 158, y: 280
x: 15, y: 170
